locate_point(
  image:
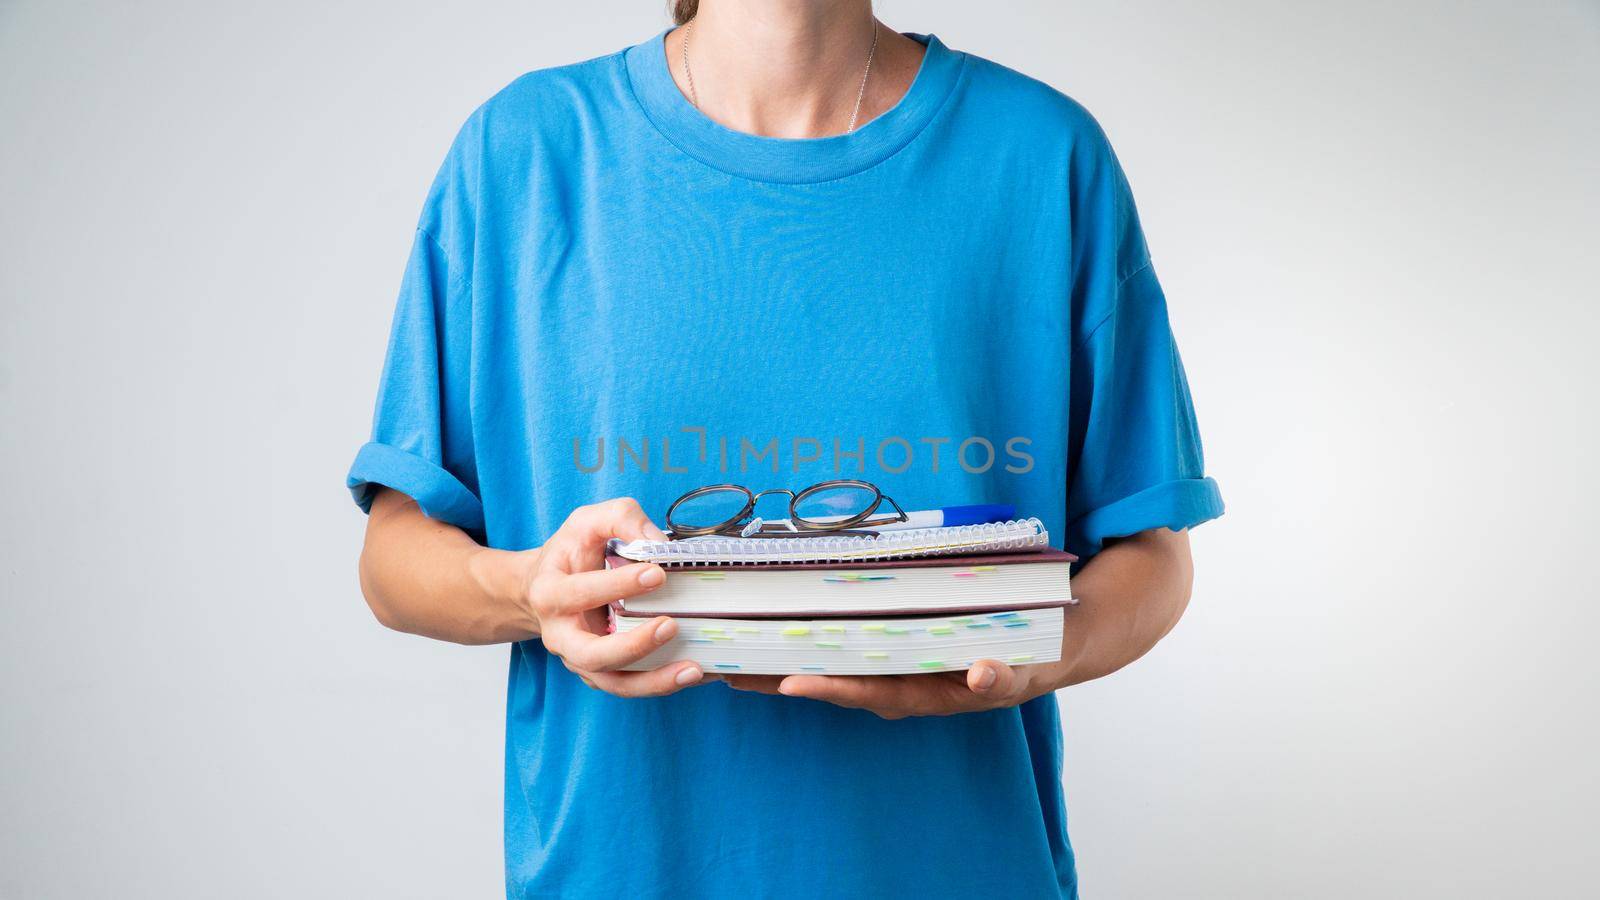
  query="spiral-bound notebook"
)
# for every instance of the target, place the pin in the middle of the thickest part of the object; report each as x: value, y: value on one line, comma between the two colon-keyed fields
x: 1019, y: 536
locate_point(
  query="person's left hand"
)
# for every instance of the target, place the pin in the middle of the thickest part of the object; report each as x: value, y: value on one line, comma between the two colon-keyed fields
x: 989, y: 684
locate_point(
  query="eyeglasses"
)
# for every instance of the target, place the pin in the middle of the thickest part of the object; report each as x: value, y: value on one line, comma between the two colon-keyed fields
x: 839, y: 506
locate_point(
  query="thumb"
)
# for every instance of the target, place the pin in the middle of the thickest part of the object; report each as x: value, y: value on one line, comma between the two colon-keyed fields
x: 990, y: 677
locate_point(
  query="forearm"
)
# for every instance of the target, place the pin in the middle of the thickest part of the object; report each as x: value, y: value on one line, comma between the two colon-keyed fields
x: 1129, y: 597
x: 425, y: 577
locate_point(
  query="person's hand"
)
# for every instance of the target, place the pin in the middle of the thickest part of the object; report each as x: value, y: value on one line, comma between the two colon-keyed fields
x: 568, y: 588
x: 989, y: 684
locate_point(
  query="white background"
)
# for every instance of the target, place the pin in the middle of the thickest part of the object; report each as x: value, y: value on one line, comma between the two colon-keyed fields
x: 1376, y: 224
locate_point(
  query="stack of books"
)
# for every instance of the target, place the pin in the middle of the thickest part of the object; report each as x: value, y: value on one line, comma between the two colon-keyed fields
x: 908, y: 601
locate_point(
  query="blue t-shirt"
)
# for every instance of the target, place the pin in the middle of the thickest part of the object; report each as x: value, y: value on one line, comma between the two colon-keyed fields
x: 611, y: 295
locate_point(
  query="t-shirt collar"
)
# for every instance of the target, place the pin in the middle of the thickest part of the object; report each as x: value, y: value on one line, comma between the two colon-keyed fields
x: 790, y: 160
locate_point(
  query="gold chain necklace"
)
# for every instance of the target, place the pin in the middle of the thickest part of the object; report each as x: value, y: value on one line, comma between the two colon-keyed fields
x: 688, y: 73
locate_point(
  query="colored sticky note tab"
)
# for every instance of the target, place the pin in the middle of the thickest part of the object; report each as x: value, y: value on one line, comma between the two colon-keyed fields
x: 941, y: 629
x: 797, y: 630
x: 813, y: 668
x: 712, y: 576
x: 1017, y: 623
x: 977, y: 624
x: 931, y: 664
x: 856, y: 578
x: 829, y: 645
x: 1026, y: 657
x: 876, y: 654
x: 727, y: 665
x: 833, y: 629
x: 747, y: 630
x: 985, y: 568
x: 873, y: 626
x: 894, y: 629
x: 712, y: 629
x: 1004, y: 615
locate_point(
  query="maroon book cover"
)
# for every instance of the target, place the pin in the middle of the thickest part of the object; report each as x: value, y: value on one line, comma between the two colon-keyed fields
x: 925, y: 562
x: 911, y: 562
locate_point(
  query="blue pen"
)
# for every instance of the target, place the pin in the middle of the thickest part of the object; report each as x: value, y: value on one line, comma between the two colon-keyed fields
x: 945, y: 516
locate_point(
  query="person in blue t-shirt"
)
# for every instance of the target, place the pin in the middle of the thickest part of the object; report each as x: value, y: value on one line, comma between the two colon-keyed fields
x: 775, y: 245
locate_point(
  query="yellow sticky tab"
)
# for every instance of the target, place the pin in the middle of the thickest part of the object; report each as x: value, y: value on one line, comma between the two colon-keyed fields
x: 797, y: 631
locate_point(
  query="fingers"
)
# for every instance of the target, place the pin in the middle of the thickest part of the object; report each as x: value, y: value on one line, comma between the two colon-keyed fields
x: 590, y: 652
x: 885, y: 695
x: 619, y: 518
x: 986, y: 685
x: 561, y: 593
x: 761, y: 684
x: 656, y: 683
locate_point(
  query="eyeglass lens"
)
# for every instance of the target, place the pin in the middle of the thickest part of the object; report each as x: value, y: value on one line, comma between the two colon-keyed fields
x: 709, y: 509
x: 834, y: 502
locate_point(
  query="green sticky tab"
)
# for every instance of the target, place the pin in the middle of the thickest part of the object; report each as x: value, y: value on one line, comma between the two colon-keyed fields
x: 830, y: 645
x: 1026, y: 657
x: 977, y: 624
x: 961, y: 621
x: 941, y: 629
x: 894, y: 629
x: 931, y: 664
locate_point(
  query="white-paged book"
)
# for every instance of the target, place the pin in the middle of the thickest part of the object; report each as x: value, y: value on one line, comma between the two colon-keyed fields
x: 1018, y: 536
x: 857, y: 646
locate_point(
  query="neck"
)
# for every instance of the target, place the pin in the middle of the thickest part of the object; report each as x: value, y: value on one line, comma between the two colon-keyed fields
x: 790, y: 68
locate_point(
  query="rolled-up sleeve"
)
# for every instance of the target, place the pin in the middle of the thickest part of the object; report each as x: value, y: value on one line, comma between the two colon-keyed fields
x: 1138, y: 462
x: 422, y: 442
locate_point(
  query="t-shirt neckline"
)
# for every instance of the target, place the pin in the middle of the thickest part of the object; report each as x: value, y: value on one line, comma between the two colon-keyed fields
x: 789, y: 160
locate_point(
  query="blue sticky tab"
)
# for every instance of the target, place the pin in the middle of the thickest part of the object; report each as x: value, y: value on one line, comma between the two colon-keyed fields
x: 979, y: 514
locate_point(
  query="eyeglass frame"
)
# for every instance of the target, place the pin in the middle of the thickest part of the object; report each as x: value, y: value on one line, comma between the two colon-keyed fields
x: 797, y: 523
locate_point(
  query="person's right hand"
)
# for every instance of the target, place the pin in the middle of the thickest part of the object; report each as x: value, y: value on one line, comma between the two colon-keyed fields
x: 568, y: 588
